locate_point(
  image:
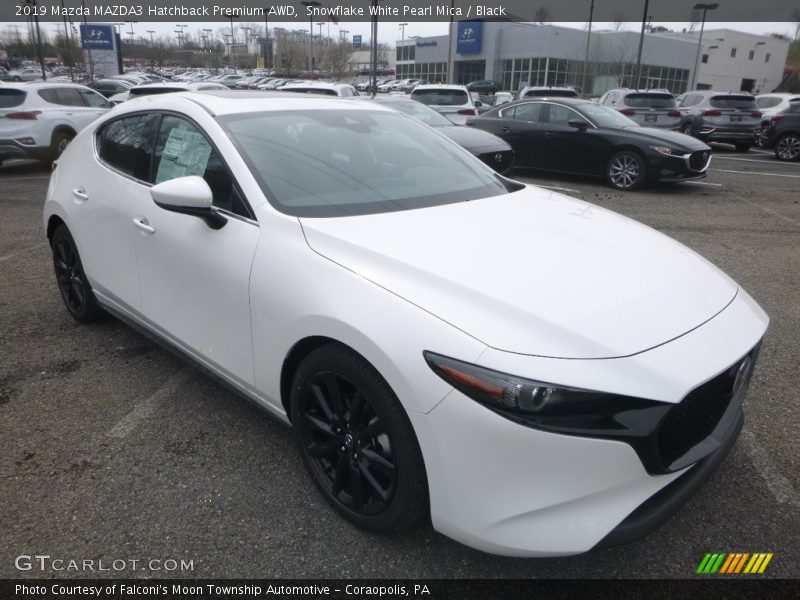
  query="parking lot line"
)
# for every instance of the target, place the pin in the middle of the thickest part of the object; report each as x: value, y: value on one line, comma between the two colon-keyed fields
x: 758, y: 160
x: 145, y: 408
x: 703, y: 183
x: 780, y: 487
x: 757, y: 173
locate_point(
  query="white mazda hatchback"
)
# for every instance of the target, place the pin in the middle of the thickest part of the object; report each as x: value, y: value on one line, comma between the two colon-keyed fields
x: 536, y: 374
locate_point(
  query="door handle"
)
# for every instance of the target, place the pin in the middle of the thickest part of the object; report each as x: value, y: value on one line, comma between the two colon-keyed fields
x: 80, y: 195
x: 548, y: 133
x: 143, y: 225
x: 506, y: 130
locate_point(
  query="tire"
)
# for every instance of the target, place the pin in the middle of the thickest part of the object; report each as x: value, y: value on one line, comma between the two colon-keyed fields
x: 61, y: 140
x: 787, y: 147
x: 626, y: 170
x: 743, y: 147
x: 357, y: 442
x: 76, y: 292
x: 17, y: 78
x: 687, y: 129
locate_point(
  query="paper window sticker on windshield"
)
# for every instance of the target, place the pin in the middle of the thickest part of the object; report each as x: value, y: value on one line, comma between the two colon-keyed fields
x: 186, y: 152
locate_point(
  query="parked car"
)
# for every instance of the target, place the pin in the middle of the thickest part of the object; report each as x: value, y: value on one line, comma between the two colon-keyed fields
x: 168, y: 87
x: 453, y: 101
x: 387, y: 87
x: 503, y: 98
x: 484, y: 87
x: 519, y: 368
x: 38, y: 120
x: 271, y: 85
x: 110, y: 87
x: 546, y: 91
x: 343, y: 90
x: 26, y: 74
x: 364, y: 85
x: 783, y: 133
x: 408, y: 87
x: 772, y: 104
x: 729, y: 117
x: 492, y: 150
x: 397, y: 87
x: 650, y: 108
x: 571, y: 135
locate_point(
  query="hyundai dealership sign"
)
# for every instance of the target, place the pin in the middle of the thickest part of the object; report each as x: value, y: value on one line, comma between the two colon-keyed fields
x: 97, y: 37
x: 469, y: 38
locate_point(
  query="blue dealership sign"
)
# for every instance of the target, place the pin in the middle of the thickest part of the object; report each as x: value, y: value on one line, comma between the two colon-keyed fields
x: 356, y: 41
x: 97, y: 37
x: 470, y: 34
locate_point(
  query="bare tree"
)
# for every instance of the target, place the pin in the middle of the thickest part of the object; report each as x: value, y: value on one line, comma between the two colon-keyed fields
x: 541, y: 16
x: 694, y: 19
x: 291, y: 54
x: 795, y: 16
x: 619, y: 21
x: 337, y: 58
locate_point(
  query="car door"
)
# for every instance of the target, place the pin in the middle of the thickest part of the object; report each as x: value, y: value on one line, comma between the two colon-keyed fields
x: 94, y: 106
x: 108, y: 192
x: 195, y: 279
x: 521, y: 127
x: 567, y: 148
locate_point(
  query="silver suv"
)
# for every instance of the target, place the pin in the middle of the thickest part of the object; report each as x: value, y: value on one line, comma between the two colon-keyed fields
x: 649, y: 108
x: 729, y: 117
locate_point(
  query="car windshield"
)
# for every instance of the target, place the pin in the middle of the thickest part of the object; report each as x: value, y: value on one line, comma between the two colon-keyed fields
x: 650, y: 100
x: 311, y: 90
x: 11, y: 98
x: 746, y: 102
x: 441, y: 97
x: 333, y: 163
x: 551, y: 93
x: 768, y: 101
x: 604, y: 116
x: 420, y: 112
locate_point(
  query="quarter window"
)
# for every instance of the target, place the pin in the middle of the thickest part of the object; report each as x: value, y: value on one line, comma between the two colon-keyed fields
x: 531, y: 112
x: 127, y: 144
x: 93, y: 99
x: 561, y: 115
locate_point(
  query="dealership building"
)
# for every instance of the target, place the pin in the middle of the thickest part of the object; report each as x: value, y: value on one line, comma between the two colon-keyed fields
x: 519, y: 54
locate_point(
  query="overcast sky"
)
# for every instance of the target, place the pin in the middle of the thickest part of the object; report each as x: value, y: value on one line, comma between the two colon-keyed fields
x: 390, y: 31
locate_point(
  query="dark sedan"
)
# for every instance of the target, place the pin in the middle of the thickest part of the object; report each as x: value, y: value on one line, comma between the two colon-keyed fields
x: 578, y: 136
x: 488, y: 147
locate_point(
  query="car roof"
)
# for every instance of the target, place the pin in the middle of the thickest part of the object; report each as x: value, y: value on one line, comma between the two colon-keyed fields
x: 554, y: 99
x: 221, y: 102
x: 36, y: 85
x: 440, y: 86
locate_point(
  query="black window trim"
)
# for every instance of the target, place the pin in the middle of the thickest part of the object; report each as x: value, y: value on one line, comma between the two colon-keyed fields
x: 148, y: 184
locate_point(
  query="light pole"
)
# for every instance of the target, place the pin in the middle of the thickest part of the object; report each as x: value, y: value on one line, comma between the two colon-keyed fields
x: 311, y: 4
x: 180, y: 34
x: 32, y: 4
x: 208, y: 33
x: 343, y: 35
x: 133, y: 44
x: 450, y: 65
x: 402, y: 27
x: 267, y: 45
x: 641, y: 43
x: 586, y: 56
x: 705, y: 8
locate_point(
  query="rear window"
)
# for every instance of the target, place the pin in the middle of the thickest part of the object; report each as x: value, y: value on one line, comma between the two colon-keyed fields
x: 311, y: 90
x: 149, y: 91
x: 768, y: 101
x: 441, y: 97
x: 745, y: 102
x: 650, y: 100
x: 551, y: 93
x: 11, y: 98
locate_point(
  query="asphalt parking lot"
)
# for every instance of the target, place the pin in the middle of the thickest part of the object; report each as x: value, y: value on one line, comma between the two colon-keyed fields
x: 111, y: 448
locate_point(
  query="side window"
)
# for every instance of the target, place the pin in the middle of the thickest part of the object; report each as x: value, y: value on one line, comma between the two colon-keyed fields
x: 530, y: 112
x: 690, y: 100
x: 561, y: 115
x: 182, y: 150
x: 93, y: 99
x: 68, y: 97
x: 127, y: 144
x: 48, y: 95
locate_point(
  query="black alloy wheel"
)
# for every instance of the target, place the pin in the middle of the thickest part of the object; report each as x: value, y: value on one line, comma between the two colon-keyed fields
x: 788, y: 147
x: 357, y: 442
x: 72, y: 283
x: 60, y: 142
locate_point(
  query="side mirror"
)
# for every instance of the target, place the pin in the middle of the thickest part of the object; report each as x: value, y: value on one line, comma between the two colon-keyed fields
x: 189, y: 196
x: 578, y: 124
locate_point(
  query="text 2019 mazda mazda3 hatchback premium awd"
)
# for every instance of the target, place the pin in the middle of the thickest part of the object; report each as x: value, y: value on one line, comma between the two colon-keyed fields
x: 539, y: 375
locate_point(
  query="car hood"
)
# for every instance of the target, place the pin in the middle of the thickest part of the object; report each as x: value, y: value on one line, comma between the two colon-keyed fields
x: 673, y: 138
x: 533, y: 272
x: 474, y: 139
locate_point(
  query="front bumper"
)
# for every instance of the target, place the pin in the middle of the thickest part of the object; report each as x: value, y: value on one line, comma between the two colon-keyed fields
x: 730, y: 135
x: 508, y: 489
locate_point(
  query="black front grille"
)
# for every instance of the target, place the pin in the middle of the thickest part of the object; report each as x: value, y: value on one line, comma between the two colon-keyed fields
x: 698, y: 160
x: 697, y: 415
x: 499, y: 161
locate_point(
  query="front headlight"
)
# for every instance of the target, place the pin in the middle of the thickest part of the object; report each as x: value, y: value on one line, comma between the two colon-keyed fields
x: 551, y: 407
x: 667, y: 151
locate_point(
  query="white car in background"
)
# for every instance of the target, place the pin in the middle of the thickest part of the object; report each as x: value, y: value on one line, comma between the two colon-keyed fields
x: 771, y: 104
x: 167, y: 87
x: 343, y: 90
x: 26, y: 74
x: 453, y: 101
x: 39, y: 119
x: 539, y: 375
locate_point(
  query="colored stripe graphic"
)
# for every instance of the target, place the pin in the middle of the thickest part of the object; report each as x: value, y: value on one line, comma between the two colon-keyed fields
x: 734, y: 563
